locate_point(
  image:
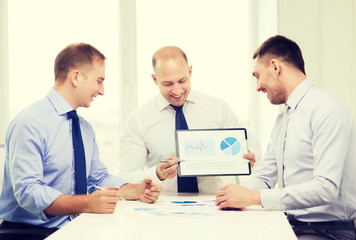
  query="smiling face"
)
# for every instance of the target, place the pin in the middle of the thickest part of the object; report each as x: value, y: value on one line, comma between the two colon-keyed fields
x: 173, y: 79
x: 90, y: 83
x: 266, y: 75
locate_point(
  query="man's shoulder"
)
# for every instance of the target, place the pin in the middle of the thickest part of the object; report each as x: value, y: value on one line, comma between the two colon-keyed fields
x: 37, y: 110
x: 206, y: 99
x: 34, y: 116
x: 148, y: 107
x: 202, y: 95
x: 324, y: 102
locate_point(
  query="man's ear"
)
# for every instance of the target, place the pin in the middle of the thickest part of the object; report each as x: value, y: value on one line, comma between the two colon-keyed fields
x: 154, y: 78
x: 190, y: 70
x: 276, y: 66
x: 74, y: 77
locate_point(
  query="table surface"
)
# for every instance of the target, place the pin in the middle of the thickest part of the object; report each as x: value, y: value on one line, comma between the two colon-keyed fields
x: 171, y: 219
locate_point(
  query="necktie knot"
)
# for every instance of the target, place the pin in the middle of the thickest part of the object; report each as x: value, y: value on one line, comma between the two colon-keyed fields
x: 177, y: 108
x: 73, y: 115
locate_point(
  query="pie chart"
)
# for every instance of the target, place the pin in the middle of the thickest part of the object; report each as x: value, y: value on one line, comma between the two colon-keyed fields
x: 230, y: 146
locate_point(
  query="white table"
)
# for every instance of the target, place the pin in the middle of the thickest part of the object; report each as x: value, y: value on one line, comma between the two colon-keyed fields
x: 176, y: 223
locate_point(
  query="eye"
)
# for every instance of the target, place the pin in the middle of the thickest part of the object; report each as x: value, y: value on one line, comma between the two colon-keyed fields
x: 167, y: 84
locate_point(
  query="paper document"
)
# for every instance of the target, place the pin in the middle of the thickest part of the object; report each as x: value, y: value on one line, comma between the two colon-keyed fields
x: 209, y: 152
x: 202, y: 208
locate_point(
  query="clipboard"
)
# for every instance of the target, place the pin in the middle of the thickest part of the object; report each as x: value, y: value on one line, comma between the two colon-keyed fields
x: 212, y: 152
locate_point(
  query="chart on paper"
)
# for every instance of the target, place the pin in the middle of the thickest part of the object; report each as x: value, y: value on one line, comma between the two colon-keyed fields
x: 230, y: 146
x: 201, y: 208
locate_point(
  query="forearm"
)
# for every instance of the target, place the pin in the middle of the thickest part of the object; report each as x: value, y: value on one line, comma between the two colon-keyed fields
x: 68, y: 205
x: 319, y: 191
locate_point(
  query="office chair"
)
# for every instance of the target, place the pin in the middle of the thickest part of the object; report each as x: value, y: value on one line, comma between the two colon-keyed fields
x: 23, y: 233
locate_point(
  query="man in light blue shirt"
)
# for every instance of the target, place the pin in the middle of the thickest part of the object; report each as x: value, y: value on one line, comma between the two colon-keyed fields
x: 317, y: 151
x: 39, y: 178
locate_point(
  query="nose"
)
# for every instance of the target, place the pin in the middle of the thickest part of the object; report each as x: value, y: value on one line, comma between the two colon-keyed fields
x: 258, y: 87
x: 101, y: 89
x: 176, y: 89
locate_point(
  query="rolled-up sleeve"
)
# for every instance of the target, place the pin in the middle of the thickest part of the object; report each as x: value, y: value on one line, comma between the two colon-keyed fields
x: 26, y: 168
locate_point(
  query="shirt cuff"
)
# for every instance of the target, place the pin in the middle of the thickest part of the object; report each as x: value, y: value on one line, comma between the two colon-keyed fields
x: 272, y: 199
x: 47, y: 199
x: 152, y: 174
x: 113, y: 181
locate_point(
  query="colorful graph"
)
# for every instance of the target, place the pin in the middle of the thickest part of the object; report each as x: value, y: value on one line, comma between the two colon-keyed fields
x: 230, y: 146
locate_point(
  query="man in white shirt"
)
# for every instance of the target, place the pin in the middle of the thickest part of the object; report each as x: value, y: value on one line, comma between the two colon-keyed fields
x: 149, y: 134
x: 314, y: 157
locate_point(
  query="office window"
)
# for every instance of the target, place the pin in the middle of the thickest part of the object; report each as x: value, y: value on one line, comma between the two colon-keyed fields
x: 38, y: 30
x: 213, y: 34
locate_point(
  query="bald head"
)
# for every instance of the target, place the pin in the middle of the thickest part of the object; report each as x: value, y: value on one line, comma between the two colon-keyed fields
x: 167, y: 53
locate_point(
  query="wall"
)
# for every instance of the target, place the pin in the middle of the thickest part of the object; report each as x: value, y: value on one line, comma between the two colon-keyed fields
x: 128, y: 68
x: 4, y: 72
x: 263, y: 24
x: 325, y: 30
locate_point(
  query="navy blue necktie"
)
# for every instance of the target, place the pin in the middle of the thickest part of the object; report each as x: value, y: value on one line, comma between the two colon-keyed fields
x: 185, y: 184
x: 79, y: 155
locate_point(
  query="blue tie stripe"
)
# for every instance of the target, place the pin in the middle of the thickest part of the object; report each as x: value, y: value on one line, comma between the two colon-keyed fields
x: 185, y: 184
x: 79, y: 155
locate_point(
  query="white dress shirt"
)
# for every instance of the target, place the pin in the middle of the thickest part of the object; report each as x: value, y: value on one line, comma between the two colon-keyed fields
x: 149, y: 137
x: 319, y: 159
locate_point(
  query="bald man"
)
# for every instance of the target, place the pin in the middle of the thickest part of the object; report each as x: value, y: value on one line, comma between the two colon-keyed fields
x: 149, y: 133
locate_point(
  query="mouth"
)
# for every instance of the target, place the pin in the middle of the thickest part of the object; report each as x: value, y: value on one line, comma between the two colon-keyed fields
x: 177, y: 98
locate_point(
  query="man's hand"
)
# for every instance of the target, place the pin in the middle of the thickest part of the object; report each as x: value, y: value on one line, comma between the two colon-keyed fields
x: 149, y: 191
x: 237, y: 196
x: 100, y: 201
x: 103, y: 201
x: 250, y: 156
x: 167, y: 169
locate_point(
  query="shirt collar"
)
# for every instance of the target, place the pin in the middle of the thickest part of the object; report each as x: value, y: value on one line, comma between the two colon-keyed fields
x: 59, y: 103
x: 298, y: 93
x: 163, y: 103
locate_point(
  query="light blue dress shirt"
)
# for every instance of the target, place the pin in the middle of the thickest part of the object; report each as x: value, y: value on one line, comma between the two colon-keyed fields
x: 39, y: 164
x: 319, y: 159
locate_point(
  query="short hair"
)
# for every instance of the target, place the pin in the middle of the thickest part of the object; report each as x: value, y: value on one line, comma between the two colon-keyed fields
x: 74, y: 56
x: 168, y: 52
x: 284, y: 48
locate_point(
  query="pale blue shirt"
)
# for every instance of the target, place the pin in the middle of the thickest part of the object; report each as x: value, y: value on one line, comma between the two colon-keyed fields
x: 319, y: 159
x: 39, y: 164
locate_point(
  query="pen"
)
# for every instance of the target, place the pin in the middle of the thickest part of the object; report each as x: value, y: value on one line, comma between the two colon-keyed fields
x: 99, y: 188
x: 178, y: 202
x: 166, y: 160
x: 120, y: 193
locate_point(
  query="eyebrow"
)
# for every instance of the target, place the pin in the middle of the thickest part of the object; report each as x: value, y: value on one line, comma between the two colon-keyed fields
x: 183, y: 78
